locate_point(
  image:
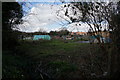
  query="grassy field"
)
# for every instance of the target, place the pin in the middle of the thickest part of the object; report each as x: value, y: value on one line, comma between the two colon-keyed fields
x: 54, y: 59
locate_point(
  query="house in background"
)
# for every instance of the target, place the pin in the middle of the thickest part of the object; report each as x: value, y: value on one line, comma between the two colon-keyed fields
x: 27, y: 38
x: 78, y: 33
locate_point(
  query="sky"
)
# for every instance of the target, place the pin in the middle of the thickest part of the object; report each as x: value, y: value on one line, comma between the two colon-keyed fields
x: 42, y: 16
x: 65, y: 0
x: 39, y: 16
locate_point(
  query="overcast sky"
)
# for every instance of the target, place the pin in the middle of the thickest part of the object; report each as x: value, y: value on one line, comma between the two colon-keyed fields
x: 43, y: 16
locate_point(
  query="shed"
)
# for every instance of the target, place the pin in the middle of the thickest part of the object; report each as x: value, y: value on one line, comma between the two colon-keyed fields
x: 43, y: 37
x: 94, y: 38
x: 102, y: 39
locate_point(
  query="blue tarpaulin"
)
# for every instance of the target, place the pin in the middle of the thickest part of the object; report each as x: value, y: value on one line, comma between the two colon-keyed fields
x: 39, y: 37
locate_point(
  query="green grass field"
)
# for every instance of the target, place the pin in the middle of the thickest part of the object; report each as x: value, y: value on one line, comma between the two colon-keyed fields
x: 54, y: 59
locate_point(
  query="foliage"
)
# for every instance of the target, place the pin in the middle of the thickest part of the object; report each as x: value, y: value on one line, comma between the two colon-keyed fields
x: 16, y: 66
x: 61, y: 32
x: 54, y: 59
x: 11, y: 16
x: 58, y: 59
x: 95, y: 14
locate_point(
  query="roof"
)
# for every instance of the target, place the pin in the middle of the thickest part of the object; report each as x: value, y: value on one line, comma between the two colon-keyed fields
x: 78, y: 33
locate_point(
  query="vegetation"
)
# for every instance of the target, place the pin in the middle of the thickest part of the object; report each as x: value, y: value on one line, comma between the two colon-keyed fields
x: 95, y: 14
x: 58, y: 59
x: 61, y: 32
x: 11, y: 16
x: 54, y: 60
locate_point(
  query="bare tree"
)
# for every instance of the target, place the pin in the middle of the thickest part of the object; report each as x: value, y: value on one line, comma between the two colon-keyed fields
x: 94, y: 14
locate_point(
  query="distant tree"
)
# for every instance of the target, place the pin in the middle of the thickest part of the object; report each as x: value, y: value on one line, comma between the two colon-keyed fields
x: 41, y: 30
x: 11, y: 16
x: 63, y: 31
x: 53, y: 33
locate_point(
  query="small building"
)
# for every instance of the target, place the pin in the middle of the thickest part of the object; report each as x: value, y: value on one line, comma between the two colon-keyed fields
x: 102, y: 39
x: 67, y: 37
x: 56, y: 37
x: 41, y: 37
x: 27, y: 38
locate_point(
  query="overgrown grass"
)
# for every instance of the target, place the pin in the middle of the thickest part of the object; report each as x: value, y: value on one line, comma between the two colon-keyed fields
x: 16, y: 66
x: 56, y: 59
x: 44, y: 48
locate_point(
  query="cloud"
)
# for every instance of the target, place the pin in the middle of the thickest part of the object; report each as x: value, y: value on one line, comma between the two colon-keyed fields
x: 78, y: 26
x: 40, y: 16
x: 43, y: 16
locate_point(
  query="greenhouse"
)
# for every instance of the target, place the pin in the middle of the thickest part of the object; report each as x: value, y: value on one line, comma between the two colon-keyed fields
x: 41, y: 37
